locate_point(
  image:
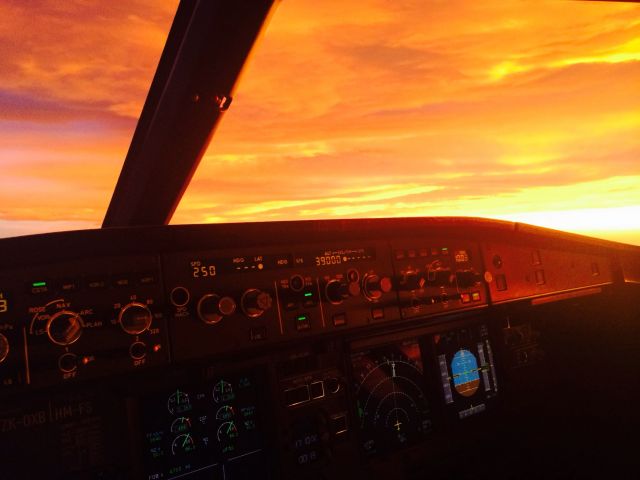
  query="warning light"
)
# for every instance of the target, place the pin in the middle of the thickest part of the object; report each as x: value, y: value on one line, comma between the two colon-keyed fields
x: 85, y: 360
x: 157, y: 347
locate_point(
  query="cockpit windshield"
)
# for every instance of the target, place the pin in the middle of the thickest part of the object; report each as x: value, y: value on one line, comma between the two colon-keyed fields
x: 368, y: 108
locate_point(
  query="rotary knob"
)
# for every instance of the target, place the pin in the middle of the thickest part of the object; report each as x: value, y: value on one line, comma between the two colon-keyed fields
x: 467, y: 278
x: 374, y: 286
x: 135, y: 318
x: 410, y: 280
x: 4, y: 348
x: 336, y: 291
x: 212, y: 308
x: 64, y: 327
x: 255, y: 302
x: 440, y: 277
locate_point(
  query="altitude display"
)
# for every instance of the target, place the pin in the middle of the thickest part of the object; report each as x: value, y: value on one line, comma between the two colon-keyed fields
x: 467, y: 369
x: 391, y: 404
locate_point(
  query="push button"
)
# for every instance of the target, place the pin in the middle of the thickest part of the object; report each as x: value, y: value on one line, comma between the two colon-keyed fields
x: 296, y: 396
x: 303, y: 322
x: 339, y: 320
x: 317, y: 389
x: 501, y: 282
x: 258, y: 333
x: 339, y: 424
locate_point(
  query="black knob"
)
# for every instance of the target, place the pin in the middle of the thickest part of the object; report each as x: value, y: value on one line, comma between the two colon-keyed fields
x: 374, y: 286
x: 179, y: 297
x: 255, y: 302
x: 68, y: 362
x: 135, y: 318
x: 138, y: 350
x: 64, y: 328
x: 213, y: 308
x: 336, y: 291
x: 439, y: 278
x: 296, y: 283
x: 466, y: 278
x: 4, y: 348
x: 410, y: 280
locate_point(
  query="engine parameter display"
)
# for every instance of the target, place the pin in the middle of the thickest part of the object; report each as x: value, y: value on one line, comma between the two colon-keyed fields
x: 206, y: 431
x: 391, y: 404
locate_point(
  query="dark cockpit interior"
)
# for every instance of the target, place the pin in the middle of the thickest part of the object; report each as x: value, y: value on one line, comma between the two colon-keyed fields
x: 435, y: 347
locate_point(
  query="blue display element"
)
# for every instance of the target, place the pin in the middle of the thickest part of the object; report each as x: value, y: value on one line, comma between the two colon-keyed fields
x: 465, y: 373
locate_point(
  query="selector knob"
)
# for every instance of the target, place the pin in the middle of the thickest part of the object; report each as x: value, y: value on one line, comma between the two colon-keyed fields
x: 68, y: 362
x: 64, y: 327
x: 254, y: 302
x: 4, y: 348
x: 410, y: 280
x: 374, y: 286
x: 212, y: 308
x: 138, y: 350
x: 466, y: 278
x: 440, y: 277
x: 135, y: 318
x: 336, y: 291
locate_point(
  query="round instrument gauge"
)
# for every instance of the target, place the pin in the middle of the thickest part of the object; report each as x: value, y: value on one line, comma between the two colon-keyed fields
x: 178, y: 403
x: 223, y: 392
x: 182, y: 444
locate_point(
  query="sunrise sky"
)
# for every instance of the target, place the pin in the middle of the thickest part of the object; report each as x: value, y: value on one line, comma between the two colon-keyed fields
x: 526, y: 111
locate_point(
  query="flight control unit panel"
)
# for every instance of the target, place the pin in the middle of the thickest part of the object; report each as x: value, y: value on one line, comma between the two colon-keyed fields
x: 284, y: 350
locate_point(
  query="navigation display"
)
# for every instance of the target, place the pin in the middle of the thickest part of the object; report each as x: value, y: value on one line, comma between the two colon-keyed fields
x: 467, y: 369
x: 391, y: 404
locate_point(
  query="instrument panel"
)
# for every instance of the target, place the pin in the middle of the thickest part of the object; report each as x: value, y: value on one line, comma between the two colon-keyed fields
x: 281, y: 350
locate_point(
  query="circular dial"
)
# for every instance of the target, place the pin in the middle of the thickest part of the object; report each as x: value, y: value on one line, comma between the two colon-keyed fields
x: 213, y: 308
x: 179, y: 403
x: 4, y: 348
x: 223, y: 392
x: 181, y: 425
x: 391, y: 404
x: 255, y: 302
x: 225, y: 413
x: 183, y: 444
x: 64, y: 327
x: 374, y: 286
x: 135, y: 318
x: 227, y: 431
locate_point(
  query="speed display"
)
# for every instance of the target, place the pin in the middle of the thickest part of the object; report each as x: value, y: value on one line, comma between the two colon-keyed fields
x: 391, y: 405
